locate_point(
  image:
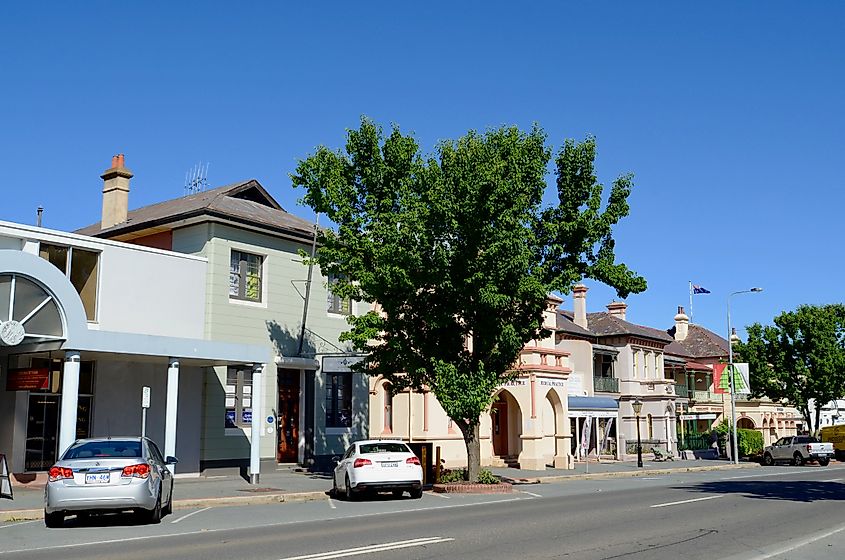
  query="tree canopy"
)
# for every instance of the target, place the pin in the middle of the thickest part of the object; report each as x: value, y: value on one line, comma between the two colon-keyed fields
x: 459, y: 252
x: 799, y: 358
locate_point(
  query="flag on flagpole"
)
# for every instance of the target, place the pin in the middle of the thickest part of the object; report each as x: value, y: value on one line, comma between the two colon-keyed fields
x: 696, y: 289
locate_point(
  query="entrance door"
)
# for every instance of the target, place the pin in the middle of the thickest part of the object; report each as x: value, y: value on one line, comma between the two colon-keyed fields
x: 288, y: 420
x: 499, y: 415
x: 42, y: 428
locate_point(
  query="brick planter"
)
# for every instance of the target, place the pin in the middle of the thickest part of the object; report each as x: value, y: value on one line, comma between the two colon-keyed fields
x: 473, y: 488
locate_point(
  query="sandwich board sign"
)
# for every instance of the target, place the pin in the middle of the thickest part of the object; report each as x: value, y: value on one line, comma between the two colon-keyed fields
x: 5, y: 482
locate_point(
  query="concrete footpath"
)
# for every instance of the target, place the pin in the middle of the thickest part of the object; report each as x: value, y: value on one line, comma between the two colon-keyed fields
x: 285, y: 484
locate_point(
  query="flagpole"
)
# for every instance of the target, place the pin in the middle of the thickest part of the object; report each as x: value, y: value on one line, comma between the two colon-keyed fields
x: 690, y: 301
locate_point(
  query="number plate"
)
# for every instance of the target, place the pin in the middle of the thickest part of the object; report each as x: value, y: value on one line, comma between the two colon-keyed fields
x: 394, y: 464
x: 98, y: 478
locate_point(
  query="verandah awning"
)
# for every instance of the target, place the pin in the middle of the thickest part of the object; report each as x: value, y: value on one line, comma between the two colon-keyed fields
x: 592, y: 403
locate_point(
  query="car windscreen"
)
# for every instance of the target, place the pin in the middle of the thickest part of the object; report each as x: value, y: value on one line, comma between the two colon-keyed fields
x: 383, y: 448
x: 110, y: 448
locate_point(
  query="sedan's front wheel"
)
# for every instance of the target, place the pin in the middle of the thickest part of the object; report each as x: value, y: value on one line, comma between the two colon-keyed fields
x: 54, y: 520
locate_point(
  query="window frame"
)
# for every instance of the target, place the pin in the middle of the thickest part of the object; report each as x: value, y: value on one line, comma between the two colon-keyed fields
x: 334, y: 303
x: 243, y: 275
x: 338, y: 394
x: 68, y: 270
x: 243, y: 381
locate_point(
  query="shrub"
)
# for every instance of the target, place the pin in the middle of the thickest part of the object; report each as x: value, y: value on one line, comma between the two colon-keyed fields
x: 453, y: 475
x: 486, y: 477
x: 750, y: 442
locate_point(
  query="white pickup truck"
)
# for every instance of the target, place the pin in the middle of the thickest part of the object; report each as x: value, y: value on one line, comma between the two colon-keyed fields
x: 798, y: 450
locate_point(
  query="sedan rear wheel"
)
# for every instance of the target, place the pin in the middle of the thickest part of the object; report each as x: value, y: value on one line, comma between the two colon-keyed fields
x: 153, y: 516
x: 350, y: 495
x: 168, y: 509
x: 54, y: 520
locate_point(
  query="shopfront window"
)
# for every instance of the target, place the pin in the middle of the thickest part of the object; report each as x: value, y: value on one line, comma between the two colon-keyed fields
x: 338, y: 400
x: 238, y: 398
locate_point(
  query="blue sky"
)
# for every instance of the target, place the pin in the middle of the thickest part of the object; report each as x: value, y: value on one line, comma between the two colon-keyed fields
x: 730, y: 116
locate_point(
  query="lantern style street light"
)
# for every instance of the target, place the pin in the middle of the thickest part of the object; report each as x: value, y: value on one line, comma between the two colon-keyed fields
x: 731, y: 374
x: 637, y: 405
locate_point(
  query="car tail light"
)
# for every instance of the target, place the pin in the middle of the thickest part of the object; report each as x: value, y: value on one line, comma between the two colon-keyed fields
x: 58, y: 473
x: 412, y: 460
x: 138, y: 471
x: 808, y: 448
x: 361, y: 463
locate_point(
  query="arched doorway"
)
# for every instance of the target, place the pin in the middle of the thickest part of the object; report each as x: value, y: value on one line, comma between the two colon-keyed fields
x: 745, y: 423
x: 554, y: 428
x: 506, y: 418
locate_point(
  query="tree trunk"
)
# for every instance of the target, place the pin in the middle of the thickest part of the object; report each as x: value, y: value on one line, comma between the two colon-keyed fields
x: 471, y: 431
x: 805, y: 412
x: 817, y: 429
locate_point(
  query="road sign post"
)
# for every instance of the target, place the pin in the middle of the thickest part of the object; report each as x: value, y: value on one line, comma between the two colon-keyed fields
x: 145, y: 404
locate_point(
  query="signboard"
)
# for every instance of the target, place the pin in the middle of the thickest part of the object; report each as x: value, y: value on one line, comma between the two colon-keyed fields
x: 586, y: 433
x: 340, y: 364
x: 28, y: 379
x: 698, y: 416
x: 145, y: 397
x: 246, y: 416
x: 606, y: 437
x: 5, y: 483
x: 722, y: 381
x: 575, y: 385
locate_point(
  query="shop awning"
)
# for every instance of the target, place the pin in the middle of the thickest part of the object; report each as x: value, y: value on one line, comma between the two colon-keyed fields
x: 592, y: 403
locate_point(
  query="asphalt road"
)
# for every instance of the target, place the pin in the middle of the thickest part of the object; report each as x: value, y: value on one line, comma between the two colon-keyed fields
x: 778, y: 512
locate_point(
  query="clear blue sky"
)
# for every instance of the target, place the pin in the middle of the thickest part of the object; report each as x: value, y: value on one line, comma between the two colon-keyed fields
x: 731, y: 117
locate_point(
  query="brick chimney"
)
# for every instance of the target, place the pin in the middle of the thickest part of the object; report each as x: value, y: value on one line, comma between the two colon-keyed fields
x: 681, y: 324
x: 115, y: 193
x: 617, y: 309
x: 579, y: 305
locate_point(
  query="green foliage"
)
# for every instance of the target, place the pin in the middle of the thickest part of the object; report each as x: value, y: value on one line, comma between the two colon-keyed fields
x: 750, y: 442
x: 800, y: 357
x: 453, y: 475
x: 487, y: 477
x: 457, y: 246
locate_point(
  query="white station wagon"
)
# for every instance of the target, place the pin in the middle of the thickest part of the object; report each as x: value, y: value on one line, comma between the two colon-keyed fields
x: 377, y: 466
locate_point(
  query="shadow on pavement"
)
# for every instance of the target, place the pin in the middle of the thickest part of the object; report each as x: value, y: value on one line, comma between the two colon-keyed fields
x: 796, y: 491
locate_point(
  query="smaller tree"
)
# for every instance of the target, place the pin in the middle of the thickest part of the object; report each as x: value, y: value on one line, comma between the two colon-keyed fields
x: 799, y: 358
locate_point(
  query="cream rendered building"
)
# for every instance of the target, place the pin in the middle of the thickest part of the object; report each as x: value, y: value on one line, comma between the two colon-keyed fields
x: 527, y: 425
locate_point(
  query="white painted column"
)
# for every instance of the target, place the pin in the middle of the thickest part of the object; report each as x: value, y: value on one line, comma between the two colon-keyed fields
x: 257, y: 423
x: 171, y: 410
x: 70, y: 400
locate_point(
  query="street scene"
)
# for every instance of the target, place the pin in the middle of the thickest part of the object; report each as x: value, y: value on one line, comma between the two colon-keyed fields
x: 480, y: 280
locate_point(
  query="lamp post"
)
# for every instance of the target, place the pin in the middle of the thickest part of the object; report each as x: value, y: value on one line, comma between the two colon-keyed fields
x: 637, y: 405
x: 734, y: 449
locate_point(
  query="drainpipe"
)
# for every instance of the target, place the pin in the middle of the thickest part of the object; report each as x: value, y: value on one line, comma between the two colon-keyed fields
x: 308, y: 287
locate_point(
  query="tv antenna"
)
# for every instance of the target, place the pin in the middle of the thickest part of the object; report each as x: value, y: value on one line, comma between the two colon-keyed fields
x: 196, y: 179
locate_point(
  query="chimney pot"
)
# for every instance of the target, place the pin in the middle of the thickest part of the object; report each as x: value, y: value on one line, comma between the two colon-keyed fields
x: 617, y: 309
x: 579, y: 305
x: 114, y: 162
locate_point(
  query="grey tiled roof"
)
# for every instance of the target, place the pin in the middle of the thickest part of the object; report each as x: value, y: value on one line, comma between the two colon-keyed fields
x: 699, y: 343
x: 605, y: 324
x: 565, y: 323
x: 246, y: 202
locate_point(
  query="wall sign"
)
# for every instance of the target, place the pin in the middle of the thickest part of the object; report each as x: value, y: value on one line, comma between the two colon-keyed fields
x: 340, y: 364
x: 28, y: 379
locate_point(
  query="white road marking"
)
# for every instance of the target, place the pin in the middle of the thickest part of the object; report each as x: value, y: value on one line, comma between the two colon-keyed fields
x: 688, y: 501
x: 184, y: 517
x: 439, y: 495
x: 371, y: 549
x: 780, y: 473
x: 652, y: 478
x: 797, y: 545
x: 282, y: 524
x: 531, y: 494
x: 833, y: 480
x: 331, y: 504
x: 15, y: 524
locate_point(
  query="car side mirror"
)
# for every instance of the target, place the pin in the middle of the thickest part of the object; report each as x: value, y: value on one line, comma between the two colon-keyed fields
x: 171, y: 461
x: 335, y: 460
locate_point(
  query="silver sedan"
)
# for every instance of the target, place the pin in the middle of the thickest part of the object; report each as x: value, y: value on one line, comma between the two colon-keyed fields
x: 109, y: 474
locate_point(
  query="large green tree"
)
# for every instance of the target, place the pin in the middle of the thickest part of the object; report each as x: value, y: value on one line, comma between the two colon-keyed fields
x: 799, y: 358
x: 459, y: 252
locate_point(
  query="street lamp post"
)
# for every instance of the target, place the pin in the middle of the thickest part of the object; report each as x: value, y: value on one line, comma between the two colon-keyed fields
x: 734, y: 449
x: 637, y: 405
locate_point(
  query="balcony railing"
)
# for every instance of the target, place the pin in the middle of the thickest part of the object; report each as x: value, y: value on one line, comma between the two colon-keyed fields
x: 606, y: 384
x: 705, y: 396
x: 682, y: 391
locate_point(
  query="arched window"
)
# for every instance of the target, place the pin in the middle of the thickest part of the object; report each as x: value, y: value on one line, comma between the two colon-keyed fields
x: 388, y: 407
x: 650, y: 427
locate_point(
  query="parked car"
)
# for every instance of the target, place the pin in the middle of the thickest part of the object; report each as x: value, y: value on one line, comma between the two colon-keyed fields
x: 377, y: 466
x: 798, y: 450
x: 109, y: 475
